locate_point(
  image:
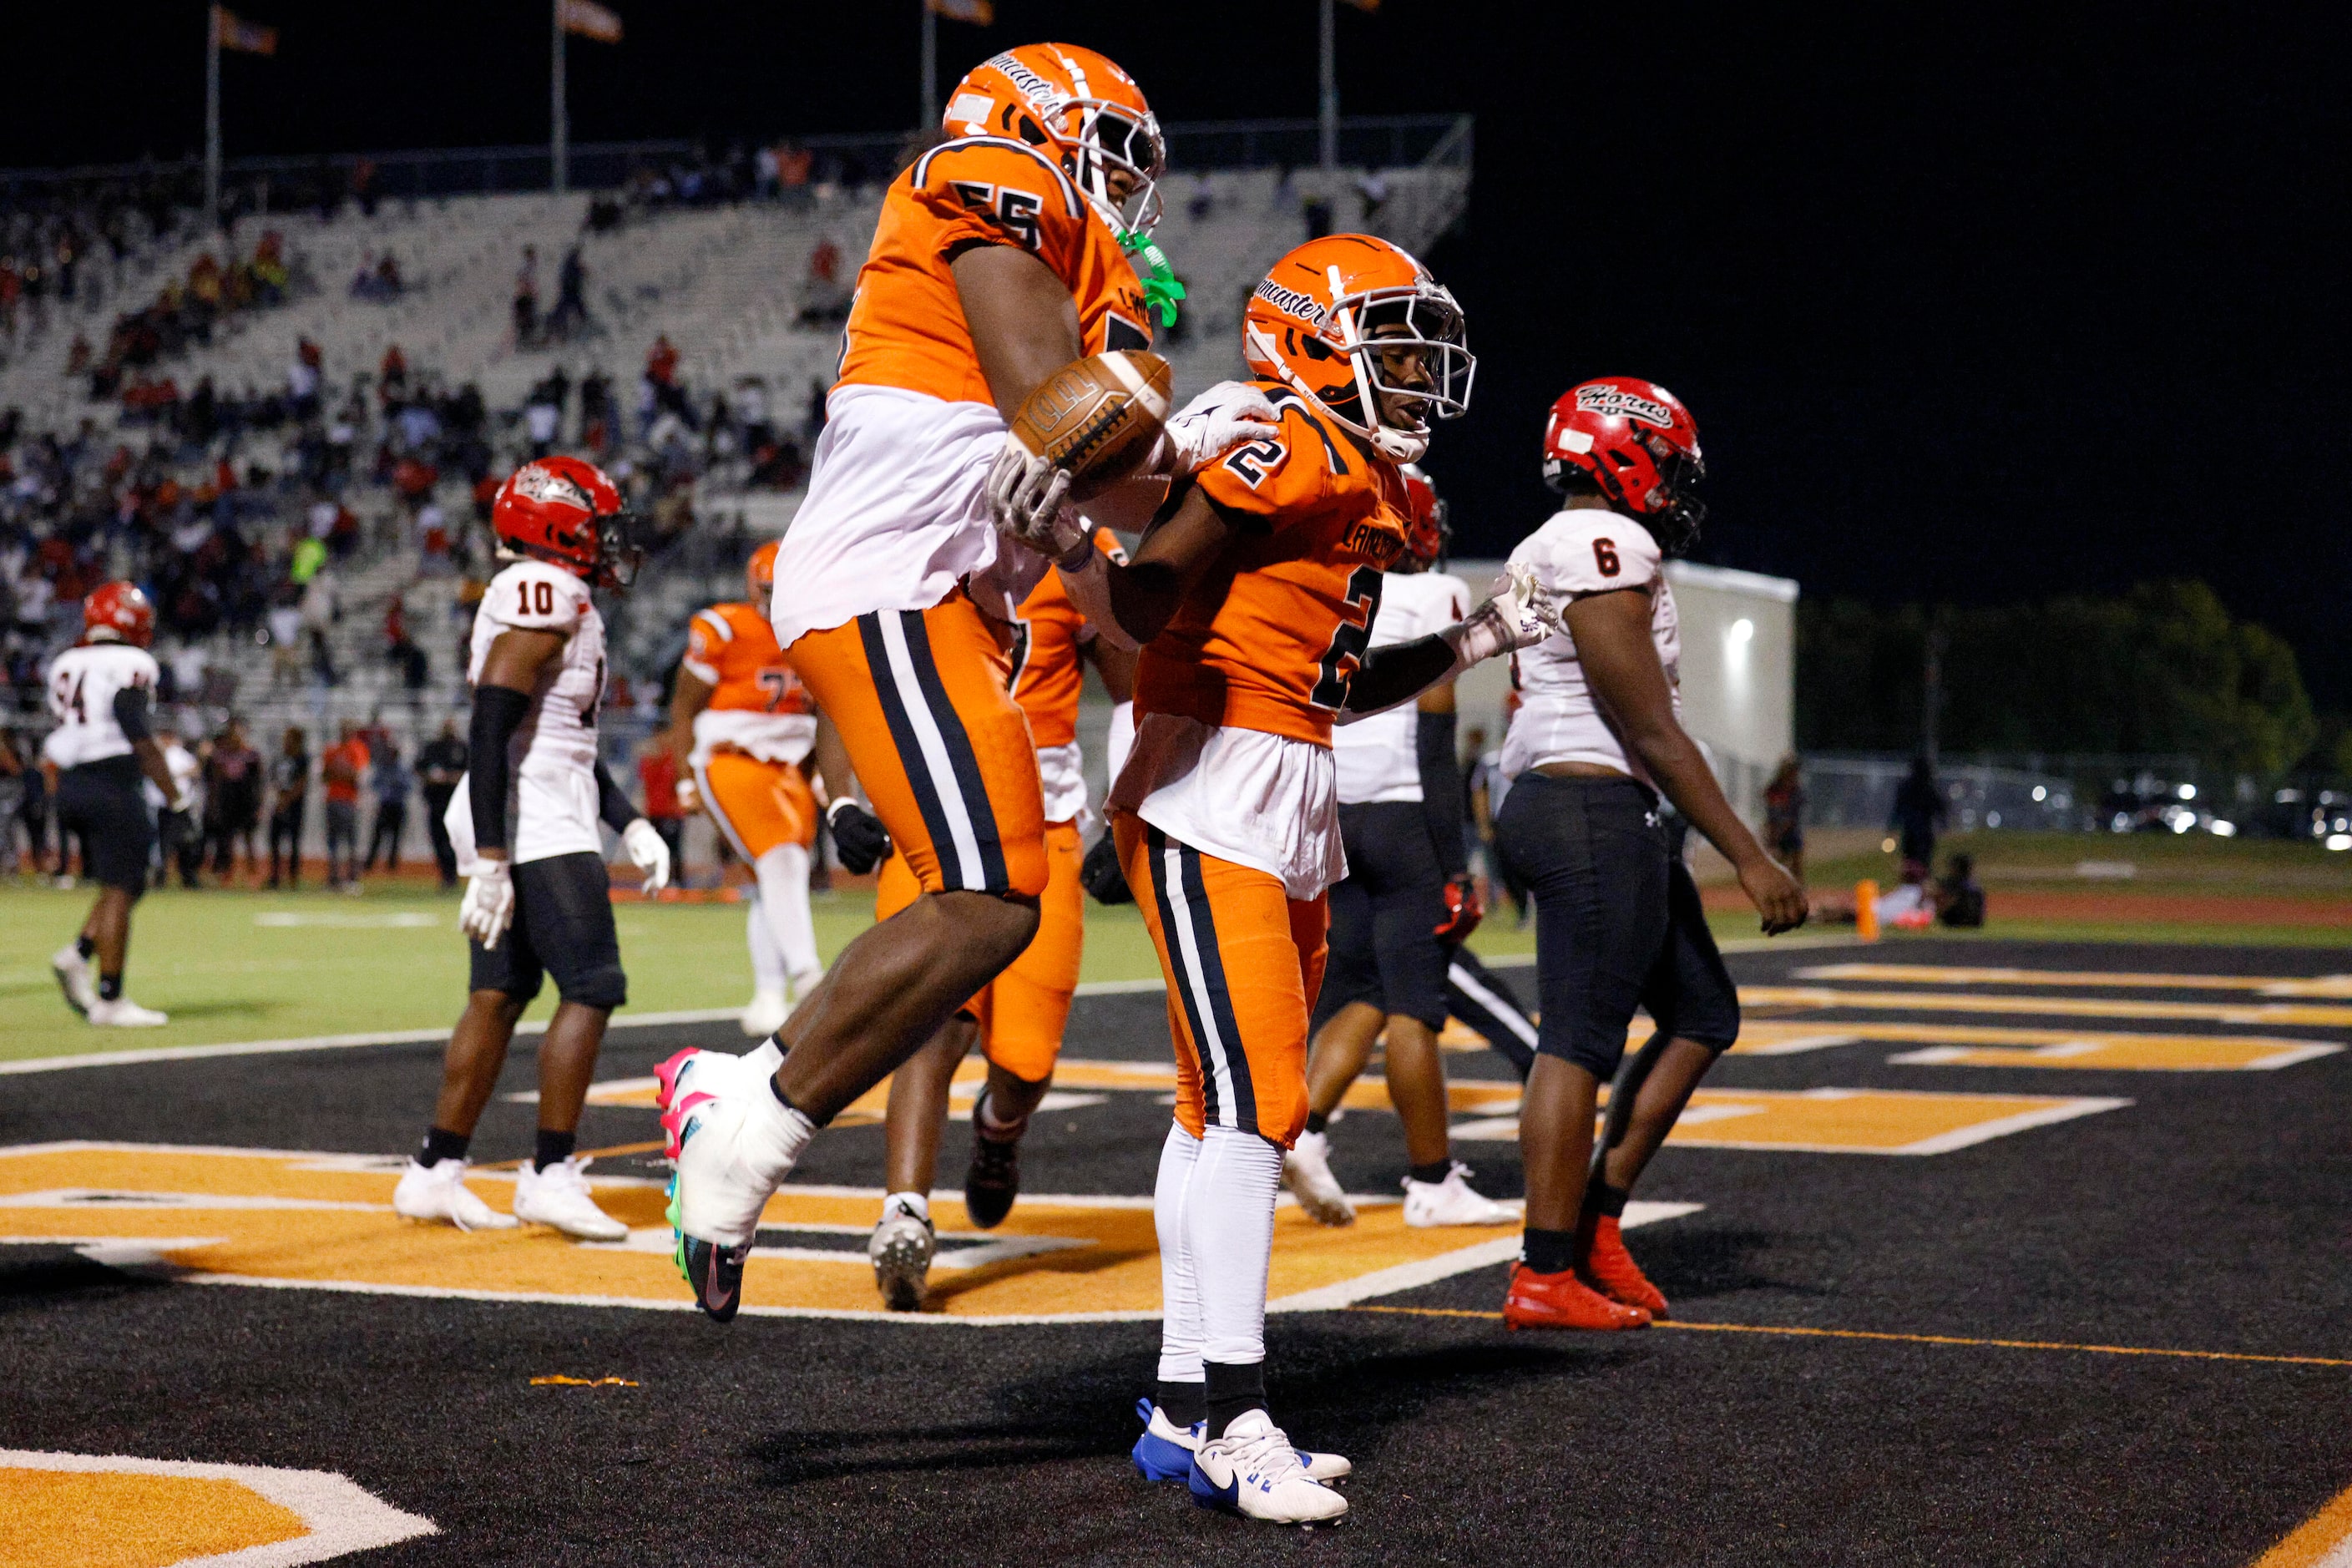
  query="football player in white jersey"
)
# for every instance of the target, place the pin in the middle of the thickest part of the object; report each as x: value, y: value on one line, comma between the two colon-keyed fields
x: 1598, y: 737
x: 1406, y: 903
x: 101, y: 692
x: 524, y: 823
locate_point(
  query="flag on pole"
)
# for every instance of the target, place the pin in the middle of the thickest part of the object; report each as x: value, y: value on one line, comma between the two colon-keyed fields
x: 590, y: 20
x: 979, y: 13
x: 232, y: 32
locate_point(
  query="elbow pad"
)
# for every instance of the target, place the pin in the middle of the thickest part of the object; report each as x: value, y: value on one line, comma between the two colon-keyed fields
x: 499, y: 712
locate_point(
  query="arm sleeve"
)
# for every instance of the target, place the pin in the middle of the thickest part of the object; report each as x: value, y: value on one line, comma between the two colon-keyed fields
x: 499, y: 712
x: 130, y: 711
x: 613, y: 802
x: 1441, y: 791
x: 1397, y: 673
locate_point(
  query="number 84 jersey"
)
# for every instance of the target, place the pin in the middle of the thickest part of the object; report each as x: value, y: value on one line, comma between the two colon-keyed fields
x: 1580, y: 552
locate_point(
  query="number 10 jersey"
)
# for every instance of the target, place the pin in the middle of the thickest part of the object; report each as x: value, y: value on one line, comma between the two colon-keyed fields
x: 551, y: 809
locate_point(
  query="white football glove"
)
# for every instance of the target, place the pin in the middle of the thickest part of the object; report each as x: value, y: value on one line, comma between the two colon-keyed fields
x: 487, y: 908
x: 689, y: 796
x: 648, y: 853
x: 1213, y: 424
x: 1520, y: 614
x: 1026, y: 493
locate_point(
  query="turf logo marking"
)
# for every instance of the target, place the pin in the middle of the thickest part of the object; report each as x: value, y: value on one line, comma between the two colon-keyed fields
x: 92, y: 1508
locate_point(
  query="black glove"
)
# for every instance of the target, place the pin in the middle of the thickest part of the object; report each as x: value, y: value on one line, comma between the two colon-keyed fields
x: 858, y: 836
x: 1100, y: 874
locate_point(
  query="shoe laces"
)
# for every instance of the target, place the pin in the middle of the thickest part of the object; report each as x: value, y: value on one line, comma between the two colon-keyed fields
x: 565, y: 1175
x: 1267, y: 1455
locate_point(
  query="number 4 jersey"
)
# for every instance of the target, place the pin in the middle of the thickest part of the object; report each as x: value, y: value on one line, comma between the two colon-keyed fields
x: 1581, y: 552
x: 84, y: 681
x: 551, y: 809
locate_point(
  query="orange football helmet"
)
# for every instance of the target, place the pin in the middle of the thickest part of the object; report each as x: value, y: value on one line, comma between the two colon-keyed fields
x: 1087, y: 110
x: 760, y: 575
x: 1349, y: 320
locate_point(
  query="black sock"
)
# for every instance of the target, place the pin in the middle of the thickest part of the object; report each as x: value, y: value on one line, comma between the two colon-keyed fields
x: 1600, y: 1198
x: 1432, y: 1174
x: 1548, y: 1251
x: 87, y: 946
x: 1183, y: 1403
x: 1316, y: 1122
x: 440, y: 1144
x: 1233, y: 1388
x: 555, y: 1148
x: 110, y: 988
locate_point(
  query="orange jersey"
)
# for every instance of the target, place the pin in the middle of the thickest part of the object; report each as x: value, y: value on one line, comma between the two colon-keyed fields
x: 1270, y: 636
x: 907, y: 325
x: 733, y: 648
x: 1047, y: 677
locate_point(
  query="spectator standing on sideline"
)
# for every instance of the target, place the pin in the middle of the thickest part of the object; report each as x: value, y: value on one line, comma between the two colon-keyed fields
x: 181, y: 839
x: 1784, y: 815
x: 289, y: 792
x: 657, y: 773
x: 390, y: 781
x: 232, y: 782
x: 526, y: 299
x: 440, y: 765
x: 1919, y: 811
x: 570, y: 312
x: 340, y: 771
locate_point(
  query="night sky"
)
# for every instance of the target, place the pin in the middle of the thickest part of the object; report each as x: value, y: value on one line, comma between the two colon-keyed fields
x: 1979, y: 309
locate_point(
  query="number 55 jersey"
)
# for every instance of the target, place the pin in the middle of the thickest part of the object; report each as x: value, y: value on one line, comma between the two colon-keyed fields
x: 1581, y: 552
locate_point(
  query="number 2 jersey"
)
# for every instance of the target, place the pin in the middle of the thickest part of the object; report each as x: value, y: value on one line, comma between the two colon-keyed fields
x: 1235, y: 699
x: 894, y: 516
x: 84, y: 681
x: 757, y: 705
x: 552, y: 805
x: 1583, y: 551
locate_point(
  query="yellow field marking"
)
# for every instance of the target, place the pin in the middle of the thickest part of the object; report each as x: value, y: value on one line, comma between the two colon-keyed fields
x: 234, y: 1216
x: 1811, y: 997
x: 2322, y: 1540
x: 89, y: 1511
x: 1792, y: 1332
x: 1847, y: 1120
x: 2117, y: 979
x: 557, y: 1380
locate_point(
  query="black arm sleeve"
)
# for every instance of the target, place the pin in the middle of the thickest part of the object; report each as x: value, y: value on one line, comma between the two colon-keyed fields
x: 1441, y: 792
x: 613, y: 801
x: 1389, y: 675
x: 131, y: 712
x: 499, y: 712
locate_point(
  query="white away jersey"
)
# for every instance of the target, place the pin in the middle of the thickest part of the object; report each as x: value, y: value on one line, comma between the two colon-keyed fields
x: 83, y: 681
x: 1585, y: 551
x: 1377, y: 758
x: 551, y: 809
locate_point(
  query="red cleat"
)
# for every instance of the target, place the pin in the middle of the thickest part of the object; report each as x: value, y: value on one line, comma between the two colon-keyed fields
x: 1609, y: 1268
x: 1563, y: 1301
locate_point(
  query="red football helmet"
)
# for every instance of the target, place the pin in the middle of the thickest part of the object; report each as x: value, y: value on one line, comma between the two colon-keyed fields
x: 1638, y: 446
x: 565, y: 511
x: 1080, y: 105
x: 1427, y: 532
x: 118, y: 611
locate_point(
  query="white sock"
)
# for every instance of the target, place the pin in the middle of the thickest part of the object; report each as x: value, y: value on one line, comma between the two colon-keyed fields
x: 1229, y: 1239
x: 915, y: 1203
x: 774, y: 1134
x: 767, y: 962
x: 1180, y: 1297
x: 783, y: 874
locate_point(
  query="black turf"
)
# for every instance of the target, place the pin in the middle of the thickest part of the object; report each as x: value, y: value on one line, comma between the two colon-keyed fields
x: 2211, y: 1214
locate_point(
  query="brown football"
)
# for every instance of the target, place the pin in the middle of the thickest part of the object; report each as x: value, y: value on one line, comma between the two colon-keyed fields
x: 1096, y: 417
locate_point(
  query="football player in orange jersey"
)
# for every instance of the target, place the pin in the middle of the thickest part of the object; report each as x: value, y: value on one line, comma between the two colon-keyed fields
x: 1001, y: 256
x: 1017, y: 1021
x: 1253, y: 599
x: 744, y: 731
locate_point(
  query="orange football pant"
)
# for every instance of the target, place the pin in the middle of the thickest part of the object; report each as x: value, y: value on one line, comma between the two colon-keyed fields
x: 1022, y: 1011
x: 1243, y: 961
x: 939, y: 744
x: 757, y: 805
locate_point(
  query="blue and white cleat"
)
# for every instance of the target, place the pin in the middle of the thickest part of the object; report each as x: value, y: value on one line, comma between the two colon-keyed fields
x: 733, y: 1151
x: 1164, y: 1451
x: 1254, y: 1472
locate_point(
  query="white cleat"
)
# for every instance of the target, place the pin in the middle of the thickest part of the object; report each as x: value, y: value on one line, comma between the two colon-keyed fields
x: 122, y: 1013
x: 1306, y: 1172
x: 558, y: 1197
x: 900, y: 1250
x: 1254, y: 1471
x: 766, y: 1014
x: 1164, y: 1452
x: 438, y: 1192
x: 75, y: 979
x: 735, y: 1147
x: 1453, y: 1202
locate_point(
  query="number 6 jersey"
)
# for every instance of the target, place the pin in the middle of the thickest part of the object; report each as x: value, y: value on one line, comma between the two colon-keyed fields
x: 552, y: 807
x: 1580, y: 552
